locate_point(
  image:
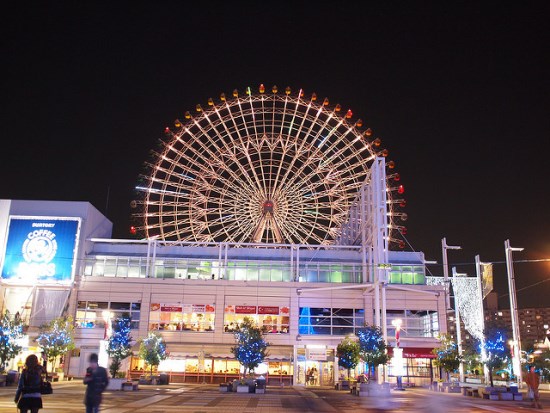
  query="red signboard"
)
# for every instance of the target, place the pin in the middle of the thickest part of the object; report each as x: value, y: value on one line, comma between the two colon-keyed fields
x: 268, y: 310
x: 245, y: 309
x: 171, y: 308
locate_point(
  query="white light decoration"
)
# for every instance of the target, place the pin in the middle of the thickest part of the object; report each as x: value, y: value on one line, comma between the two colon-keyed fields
x: 466, y: 291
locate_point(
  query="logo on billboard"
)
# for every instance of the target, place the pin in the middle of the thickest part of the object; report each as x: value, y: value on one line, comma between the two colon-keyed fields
x: 39, y: 250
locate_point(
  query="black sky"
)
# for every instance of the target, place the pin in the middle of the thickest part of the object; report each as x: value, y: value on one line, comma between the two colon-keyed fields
x: 459, y: 93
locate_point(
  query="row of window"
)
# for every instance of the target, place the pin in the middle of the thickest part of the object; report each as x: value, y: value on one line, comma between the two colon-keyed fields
x: 274, y: 320
x: 243, y: 270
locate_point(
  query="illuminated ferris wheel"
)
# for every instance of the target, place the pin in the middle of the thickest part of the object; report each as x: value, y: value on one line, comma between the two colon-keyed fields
x: 259, y: 167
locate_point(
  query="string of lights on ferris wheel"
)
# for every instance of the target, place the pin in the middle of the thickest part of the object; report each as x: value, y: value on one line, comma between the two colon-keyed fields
x: 262, y: 167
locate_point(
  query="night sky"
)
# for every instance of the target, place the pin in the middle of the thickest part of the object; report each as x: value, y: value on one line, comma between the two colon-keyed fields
x: 459, y: 93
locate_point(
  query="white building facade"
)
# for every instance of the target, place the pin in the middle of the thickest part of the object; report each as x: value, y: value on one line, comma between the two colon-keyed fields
x: 58, y: 258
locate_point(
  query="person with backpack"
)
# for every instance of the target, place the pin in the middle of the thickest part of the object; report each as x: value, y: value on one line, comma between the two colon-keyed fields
x: 27, y: 395
x: 96, y: 381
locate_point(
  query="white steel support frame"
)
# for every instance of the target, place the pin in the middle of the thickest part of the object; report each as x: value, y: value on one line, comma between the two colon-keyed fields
x: 458, y: 330
x: 480, y: 291
x: 514, y: 311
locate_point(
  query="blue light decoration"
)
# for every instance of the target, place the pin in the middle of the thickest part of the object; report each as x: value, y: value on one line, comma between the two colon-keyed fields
x: 41, y: 250
x: 304, y: 321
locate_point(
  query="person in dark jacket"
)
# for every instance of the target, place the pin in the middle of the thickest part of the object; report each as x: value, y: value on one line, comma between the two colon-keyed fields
x: 96, y: 381
x: 27, y: 395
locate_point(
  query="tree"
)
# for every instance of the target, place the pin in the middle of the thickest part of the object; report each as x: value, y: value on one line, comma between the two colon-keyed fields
x: 471, y: 356
x: 152, y: 350
x: 348, y: 354
x: 56, y: 338
x: 372, y: 347
x: 118, y: 345
x: 542, y: 363
x: 496, y: 352
x: 447, y: 356
x: 250, y: 348
x: 11, y: 329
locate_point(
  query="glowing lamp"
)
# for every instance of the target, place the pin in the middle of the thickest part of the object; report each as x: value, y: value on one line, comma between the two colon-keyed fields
x: 210, y: 102
x: 133, y: 230
x: 349, y: 114
x: 167, y: 130
x: 198, y: 108
x: 337, y: 108
x: 235, y: 93
x: 403, y: 204
x: 177, y: 123
x: 377, y: 142
x: 325, y: 102
x: 301, y: 93
x: 359, y: 123
x: 403, y: 230
x: 274, y: 89
x: 262, y: 88
x: 287, y: 90
x: 314, y: 97
x: 391, y: 164
x: 396, y: 177
x: 400, y: 189
x: 187, y: 115
x: 401, y: 244
x: 384, y: 153
x: 133, y: 204
x: 222, y: 97
x: 368, y: 132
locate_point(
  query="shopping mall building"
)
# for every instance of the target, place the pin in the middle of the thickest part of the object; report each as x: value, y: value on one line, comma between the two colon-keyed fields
x: 58, y: 258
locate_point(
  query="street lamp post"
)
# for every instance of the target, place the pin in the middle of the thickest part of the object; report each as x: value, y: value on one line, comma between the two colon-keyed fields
x: 516, y: 361
x: 512, y: 345
x: 397, y: 361
x: 444, y: 248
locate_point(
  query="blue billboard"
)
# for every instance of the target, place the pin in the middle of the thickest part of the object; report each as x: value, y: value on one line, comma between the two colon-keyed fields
x: 40, y: 250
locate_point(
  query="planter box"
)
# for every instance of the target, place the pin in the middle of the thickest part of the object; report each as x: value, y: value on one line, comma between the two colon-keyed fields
x: 130, y: 386
x: 518, y: 396
x: 243, y: 388
x: 506, y: 396
x: 115, y: 384
x: 493, y: 397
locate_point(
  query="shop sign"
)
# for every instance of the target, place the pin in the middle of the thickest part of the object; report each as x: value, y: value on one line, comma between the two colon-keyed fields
x: 174, y: 308
x: 268, y: 310
x: 318, y: 354
x: 245, y: 309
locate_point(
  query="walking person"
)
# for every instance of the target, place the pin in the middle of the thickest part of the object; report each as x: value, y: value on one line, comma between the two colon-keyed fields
x: 533, y: 380
x: 27, y: 395
x: 96, y: 381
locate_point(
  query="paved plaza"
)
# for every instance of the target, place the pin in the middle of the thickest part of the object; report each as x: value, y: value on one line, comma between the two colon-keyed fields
x: 197, y: 398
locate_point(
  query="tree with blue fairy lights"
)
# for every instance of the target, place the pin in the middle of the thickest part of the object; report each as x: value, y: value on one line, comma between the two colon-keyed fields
x: 11, y: 330
x: 250, y: 349
x: 496, y: 351
x: 152, y: 350
x: 56, y: 338
x: 348, y: 352
x: 372, y: 347
x: 119, y: 345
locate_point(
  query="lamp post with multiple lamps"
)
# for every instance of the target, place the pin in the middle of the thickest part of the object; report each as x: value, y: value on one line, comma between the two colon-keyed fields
x: 516, y: 337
